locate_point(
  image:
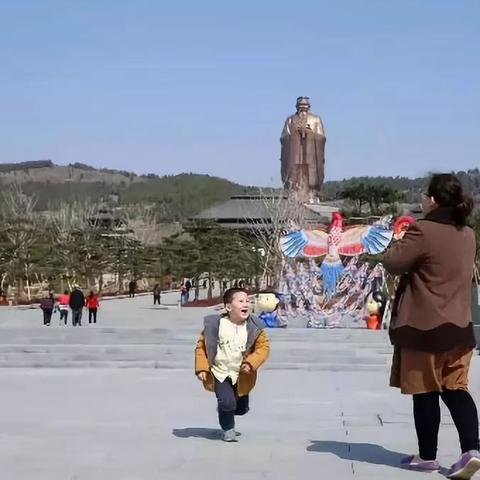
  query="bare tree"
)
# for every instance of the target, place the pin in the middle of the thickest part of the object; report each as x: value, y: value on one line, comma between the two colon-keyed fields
x: 63, y: 233
x: 275, y: 213
x: 142, y: 219
x: 78, y: 248
x: 19, y: 232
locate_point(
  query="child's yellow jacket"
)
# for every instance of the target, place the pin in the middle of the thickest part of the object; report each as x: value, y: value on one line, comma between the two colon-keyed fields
x: 257, y: 351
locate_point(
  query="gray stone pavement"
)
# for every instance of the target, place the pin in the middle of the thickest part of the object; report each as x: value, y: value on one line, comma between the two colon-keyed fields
x: 322, y: 408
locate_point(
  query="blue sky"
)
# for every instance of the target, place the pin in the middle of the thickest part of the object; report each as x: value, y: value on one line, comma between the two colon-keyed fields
x: 167, y: 87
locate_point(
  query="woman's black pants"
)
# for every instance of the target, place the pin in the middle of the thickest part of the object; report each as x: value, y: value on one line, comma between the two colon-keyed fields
x: 426, y: 412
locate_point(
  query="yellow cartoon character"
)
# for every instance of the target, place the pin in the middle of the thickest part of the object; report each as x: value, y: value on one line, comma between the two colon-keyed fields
x: 267, y: 304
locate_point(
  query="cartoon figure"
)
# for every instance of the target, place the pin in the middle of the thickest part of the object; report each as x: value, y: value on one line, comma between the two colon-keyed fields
x: 267, y: 304
x: 375, y: 307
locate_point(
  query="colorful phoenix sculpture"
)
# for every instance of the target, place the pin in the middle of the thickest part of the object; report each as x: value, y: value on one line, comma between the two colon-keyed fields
x: 338, y: 241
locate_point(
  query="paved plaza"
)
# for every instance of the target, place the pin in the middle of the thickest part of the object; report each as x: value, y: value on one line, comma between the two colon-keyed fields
x: 119, y: 401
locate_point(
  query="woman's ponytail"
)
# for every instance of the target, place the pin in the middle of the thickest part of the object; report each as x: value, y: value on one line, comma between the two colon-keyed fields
x: 463, y: 210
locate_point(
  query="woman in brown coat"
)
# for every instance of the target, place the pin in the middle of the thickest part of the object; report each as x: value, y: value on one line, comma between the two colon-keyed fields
x: 431, y: 328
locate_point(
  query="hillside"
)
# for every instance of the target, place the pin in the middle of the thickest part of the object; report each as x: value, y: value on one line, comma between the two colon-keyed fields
x: 411, y: 187
x: 176, y: 196
x: 45, y: 171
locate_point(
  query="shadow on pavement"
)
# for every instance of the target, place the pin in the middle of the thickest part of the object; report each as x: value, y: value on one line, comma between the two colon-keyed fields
x: 159, y: 307
x: 199, y: 432
x: 193, y: 432
x: 359, y: 452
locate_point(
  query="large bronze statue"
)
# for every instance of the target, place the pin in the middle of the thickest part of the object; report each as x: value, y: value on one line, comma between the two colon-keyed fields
x: 303, y: 151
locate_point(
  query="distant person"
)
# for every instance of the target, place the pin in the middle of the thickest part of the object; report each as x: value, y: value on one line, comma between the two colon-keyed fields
x: 93, y: 305
x: 431, y: 327
x: 183, y: 294
x: 47, y: 303
x: 63, y: 304
x: 76, y: 303
x: 230, y: 350
x: 188, y: 287
x: 132, y: 287
x: 241, y: 284
x: 156, y: 294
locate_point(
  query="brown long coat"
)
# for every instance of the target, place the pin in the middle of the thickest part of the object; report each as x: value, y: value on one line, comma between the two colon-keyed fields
x: 258, y: 349
x: 431, y: 310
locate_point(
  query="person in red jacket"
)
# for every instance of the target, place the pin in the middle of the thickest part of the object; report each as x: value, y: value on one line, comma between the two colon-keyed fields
x: 92, y: 304
x: 63, y: 303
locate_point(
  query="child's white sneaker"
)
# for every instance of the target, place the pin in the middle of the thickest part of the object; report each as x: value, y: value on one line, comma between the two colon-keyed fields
x: 230, y: 436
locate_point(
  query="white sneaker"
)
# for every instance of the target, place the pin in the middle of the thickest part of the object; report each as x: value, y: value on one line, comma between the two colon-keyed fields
x: 230, y: 436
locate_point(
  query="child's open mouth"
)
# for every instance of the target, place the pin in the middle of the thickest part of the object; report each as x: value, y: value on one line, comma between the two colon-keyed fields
x: 244, y: 310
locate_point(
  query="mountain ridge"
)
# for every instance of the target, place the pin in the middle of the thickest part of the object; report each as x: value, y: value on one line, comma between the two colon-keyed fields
x: 177, y: 196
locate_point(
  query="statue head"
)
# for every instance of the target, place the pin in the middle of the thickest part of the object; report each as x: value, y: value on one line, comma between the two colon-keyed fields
x: 303, y: 104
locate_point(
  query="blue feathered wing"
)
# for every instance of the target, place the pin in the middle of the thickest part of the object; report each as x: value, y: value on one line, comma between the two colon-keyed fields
x: 372, y: 239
